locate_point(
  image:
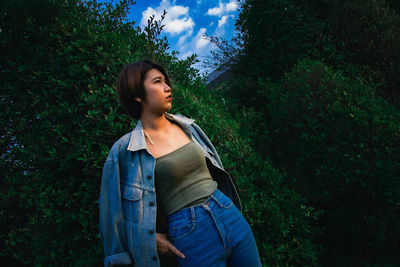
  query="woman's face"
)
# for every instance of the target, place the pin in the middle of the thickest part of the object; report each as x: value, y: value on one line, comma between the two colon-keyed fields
x: 158, y: 93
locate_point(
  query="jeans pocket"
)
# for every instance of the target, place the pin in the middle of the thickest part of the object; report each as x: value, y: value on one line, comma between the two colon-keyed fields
x: 180, y: 228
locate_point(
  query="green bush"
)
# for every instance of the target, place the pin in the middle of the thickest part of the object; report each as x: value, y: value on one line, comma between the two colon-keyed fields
x: 341, y: 141
x: 335, y: 130
x: 366, y: 33
x: 59, y: 60
x: 360, y: 38
x: 272, y: 37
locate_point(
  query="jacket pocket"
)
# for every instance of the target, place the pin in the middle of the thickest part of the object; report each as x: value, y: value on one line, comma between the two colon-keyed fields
x: 132, y: 203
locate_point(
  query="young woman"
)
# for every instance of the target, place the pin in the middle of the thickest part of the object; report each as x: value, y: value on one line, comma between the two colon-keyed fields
x: 164, y: 190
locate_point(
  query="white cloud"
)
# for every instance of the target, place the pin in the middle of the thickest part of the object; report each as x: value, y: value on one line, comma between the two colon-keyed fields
x: 222, y: 9
x: 220, y: 30
x: 222, y: 21
x: 200, y: 41
x: 183, y: 38
x: 177, y: 20
x: 197, y: 45
x: 178, y: 26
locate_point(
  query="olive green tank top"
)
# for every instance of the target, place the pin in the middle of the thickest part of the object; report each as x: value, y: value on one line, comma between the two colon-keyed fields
x: 182, y: 178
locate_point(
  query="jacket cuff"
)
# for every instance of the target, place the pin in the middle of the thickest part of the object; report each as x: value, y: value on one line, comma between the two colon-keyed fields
x: 118, y: 259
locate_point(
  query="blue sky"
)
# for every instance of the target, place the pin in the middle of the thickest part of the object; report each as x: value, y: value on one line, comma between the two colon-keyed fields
x: 187, y: 21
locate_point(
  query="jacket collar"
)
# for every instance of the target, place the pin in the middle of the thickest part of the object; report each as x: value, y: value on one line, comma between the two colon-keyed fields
x: 137, y: 140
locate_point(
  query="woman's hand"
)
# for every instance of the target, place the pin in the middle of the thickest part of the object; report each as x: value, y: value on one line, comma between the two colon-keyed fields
x: 165, y: 247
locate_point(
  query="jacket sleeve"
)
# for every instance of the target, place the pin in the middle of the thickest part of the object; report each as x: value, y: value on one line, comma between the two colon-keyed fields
x: 112, y: 225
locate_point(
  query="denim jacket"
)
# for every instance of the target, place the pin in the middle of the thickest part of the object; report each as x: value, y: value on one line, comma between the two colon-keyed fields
x: 129, y: 214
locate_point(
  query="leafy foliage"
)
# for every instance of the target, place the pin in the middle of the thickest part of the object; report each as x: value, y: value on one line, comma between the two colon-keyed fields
x: 58, y: 65
x: 316, y: 83
x: 341, y: 142
x: 367, y: 35
x: 360, y: 38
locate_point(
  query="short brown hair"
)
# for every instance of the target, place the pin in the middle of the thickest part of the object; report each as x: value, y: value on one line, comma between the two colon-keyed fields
x: 130, y: 85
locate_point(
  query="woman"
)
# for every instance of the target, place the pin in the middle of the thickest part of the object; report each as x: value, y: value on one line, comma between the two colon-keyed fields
x: 164, y: 191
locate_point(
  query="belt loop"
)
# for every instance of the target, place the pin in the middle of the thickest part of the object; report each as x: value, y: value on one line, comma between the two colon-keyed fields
x: 208, y: 202
x: 193, y: 212
x: 217, y: 197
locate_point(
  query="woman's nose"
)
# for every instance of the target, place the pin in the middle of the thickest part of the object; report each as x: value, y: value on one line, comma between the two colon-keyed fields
x: 166, y: 87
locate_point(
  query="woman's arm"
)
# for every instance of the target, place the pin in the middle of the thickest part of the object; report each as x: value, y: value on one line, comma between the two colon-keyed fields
x: 112, y: 225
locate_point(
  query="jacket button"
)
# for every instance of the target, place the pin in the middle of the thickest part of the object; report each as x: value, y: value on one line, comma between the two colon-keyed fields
x: 148, y: 176
x: 154, y: 258
x: 151, y: 231
x: 151, y: 204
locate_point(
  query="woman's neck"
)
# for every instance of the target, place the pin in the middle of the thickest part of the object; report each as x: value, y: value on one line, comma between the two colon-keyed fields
x: 154, y: 123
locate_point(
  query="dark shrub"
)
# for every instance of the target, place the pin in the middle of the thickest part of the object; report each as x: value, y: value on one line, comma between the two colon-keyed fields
x: 342, y: 142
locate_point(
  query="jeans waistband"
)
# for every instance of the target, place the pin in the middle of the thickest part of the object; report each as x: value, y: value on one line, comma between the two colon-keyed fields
x: 215, y: 199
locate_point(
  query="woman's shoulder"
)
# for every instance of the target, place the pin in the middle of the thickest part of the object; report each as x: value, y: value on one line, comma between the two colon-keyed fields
x: 123, y: 140
x: 119, y: 145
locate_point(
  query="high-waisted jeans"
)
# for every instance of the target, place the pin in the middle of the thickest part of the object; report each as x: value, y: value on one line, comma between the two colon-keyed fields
x: 213, y: 234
